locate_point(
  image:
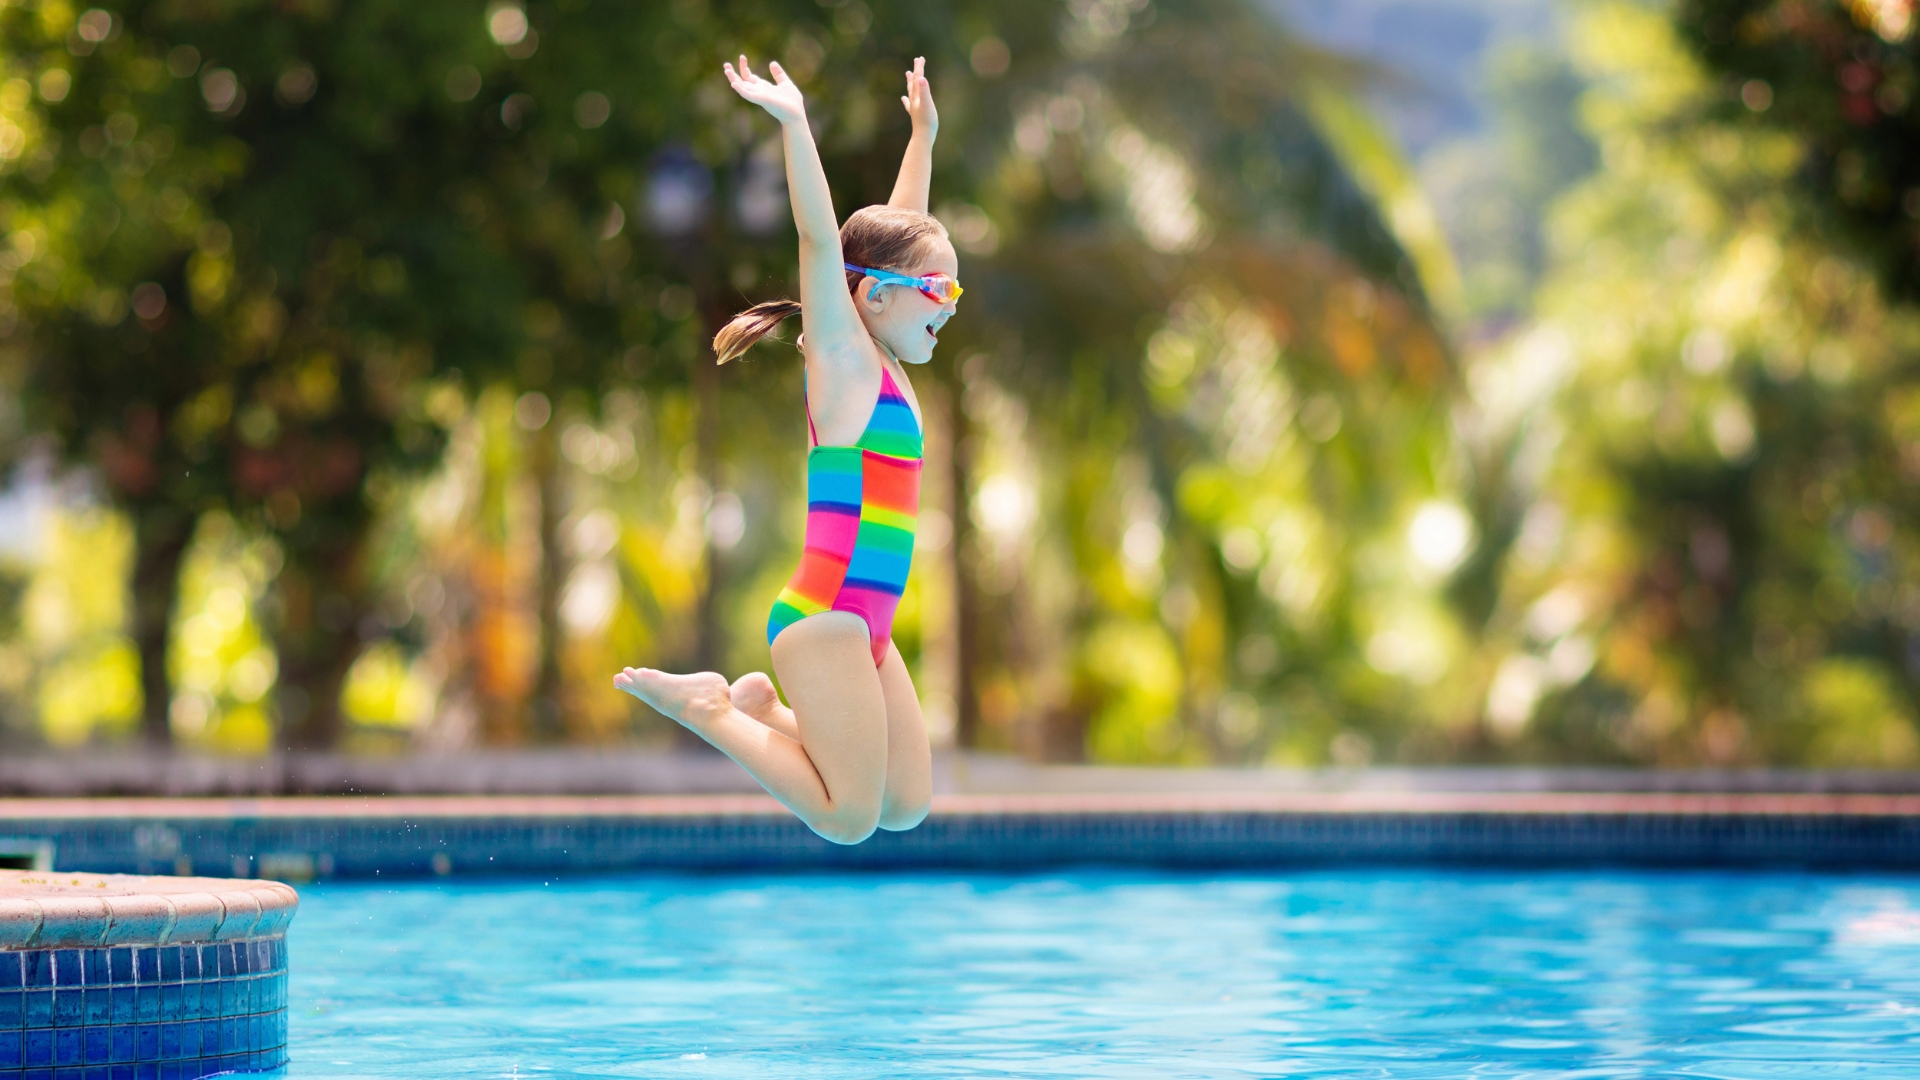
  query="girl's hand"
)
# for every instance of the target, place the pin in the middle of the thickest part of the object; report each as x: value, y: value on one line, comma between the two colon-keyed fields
x: 919, y: 99
x: 780, y: 97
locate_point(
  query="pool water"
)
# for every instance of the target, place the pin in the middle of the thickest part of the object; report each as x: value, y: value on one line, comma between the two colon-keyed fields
x: 1338, y: 974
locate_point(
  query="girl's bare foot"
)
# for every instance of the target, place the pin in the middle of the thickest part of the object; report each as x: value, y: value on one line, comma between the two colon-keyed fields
x: 696, y: 700
x: 753, y: 694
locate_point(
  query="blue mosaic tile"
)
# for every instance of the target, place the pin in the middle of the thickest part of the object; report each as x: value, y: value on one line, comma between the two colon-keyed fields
x: 134, y: 1012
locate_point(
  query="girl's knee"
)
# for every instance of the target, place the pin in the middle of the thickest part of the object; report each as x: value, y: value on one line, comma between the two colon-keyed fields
x: 899, y: 816
x: 848, y: 825
x: 908, y: 798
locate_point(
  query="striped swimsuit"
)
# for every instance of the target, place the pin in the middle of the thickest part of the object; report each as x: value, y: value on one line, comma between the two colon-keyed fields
x: 862, y: 501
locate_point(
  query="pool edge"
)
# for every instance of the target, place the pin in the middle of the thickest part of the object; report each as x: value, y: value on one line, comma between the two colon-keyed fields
x: 303, y: 838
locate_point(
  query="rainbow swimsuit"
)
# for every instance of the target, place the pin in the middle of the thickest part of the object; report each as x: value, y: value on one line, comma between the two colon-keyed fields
x: 862, y: 501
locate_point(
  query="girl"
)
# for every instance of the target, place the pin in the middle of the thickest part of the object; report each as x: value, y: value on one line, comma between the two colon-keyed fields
x: 851, y: 754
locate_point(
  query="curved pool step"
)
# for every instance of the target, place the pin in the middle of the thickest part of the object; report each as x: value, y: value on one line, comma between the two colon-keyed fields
x: 119, y: 975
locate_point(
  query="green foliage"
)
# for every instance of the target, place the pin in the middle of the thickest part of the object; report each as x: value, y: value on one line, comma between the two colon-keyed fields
x: 1495, y: 188
x: 1842, y: 77
x: 81, y: 676
x: 1859, y: 716
x: 1716, y: 560
x: 222, y: 665
x: 1368, y: 151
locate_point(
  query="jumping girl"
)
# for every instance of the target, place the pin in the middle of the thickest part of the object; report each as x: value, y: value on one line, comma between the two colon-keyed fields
x: 851, y: 754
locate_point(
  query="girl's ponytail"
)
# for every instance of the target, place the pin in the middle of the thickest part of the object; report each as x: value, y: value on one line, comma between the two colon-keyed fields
x: 750, y: 326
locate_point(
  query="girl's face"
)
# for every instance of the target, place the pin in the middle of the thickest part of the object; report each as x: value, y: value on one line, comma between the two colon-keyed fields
x: 903, y: 318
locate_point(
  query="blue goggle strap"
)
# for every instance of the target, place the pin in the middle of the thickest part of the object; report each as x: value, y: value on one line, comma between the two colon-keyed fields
x: 882, y: 277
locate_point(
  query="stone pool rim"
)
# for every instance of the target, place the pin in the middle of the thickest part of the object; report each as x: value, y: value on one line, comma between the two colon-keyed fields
x: 1323, y: 803
x: 45, y: 909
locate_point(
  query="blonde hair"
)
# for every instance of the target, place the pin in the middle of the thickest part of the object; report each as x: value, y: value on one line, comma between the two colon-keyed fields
x: 878, y: 237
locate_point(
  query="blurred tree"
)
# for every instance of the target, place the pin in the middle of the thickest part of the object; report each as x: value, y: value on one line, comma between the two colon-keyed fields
x: 1841, y: 75
x: 1713, y: 417
x: 247, y: 238
x: 73, y: 622
x: 1496, y: 191
x: 1493, y: 189
x: 229, y: 284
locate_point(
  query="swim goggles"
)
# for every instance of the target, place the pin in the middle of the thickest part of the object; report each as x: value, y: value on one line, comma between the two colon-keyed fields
x: 936, y: 287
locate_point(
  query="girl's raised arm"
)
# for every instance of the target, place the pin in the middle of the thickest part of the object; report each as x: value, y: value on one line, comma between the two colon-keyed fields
x: 916, y: 169
x: 827, y: 317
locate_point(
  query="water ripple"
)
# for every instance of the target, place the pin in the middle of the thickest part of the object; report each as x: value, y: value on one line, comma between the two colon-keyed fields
x: 1395, y: 975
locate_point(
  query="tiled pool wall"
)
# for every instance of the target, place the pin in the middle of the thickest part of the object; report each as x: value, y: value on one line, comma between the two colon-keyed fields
x: 300, y: 839
x: 165, y: 1012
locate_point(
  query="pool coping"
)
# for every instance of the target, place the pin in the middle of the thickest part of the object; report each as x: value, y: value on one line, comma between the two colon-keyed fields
x: 626, y: 770
x: 75, y: 909
x: 322, y: 807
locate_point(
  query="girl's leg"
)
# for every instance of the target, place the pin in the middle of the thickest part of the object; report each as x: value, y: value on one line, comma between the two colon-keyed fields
x: 834, y: 775
x: 909, y: 761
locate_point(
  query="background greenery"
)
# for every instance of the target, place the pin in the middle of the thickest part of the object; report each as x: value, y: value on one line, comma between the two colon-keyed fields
x: 357, y: 387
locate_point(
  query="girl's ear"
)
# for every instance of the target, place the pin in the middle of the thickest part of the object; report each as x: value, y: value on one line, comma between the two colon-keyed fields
x: 872, y: 296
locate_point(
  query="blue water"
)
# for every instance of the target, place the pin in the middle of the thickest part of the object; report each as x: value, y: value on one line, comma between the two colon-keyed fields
x: 1338, y: 974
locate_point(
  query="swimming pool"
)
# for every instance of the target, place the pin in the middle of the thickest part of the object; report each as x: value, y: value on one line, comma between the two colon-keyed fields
x: 1121, y: 974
